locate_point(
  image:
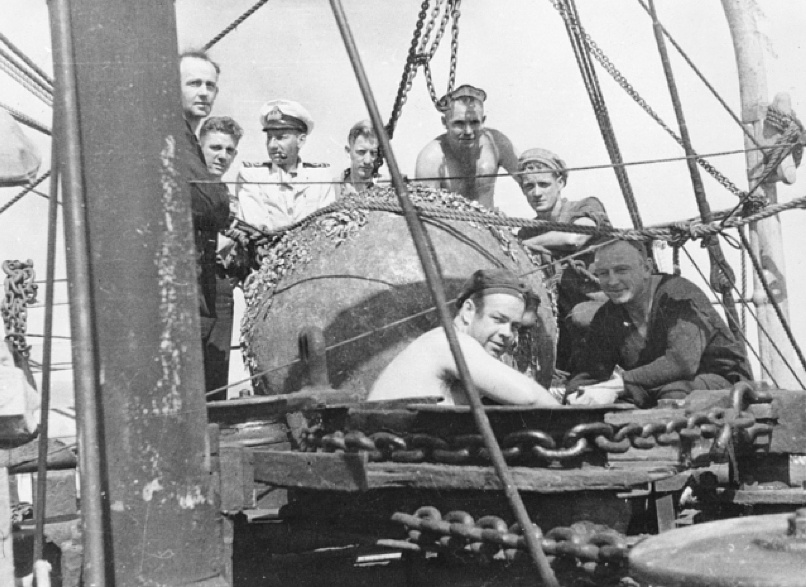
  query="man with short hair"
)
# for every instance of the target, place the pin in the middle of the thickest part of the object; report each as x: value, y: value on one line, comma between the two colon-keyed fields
x: 362, y: 149
x: 490, y: 310
x: 209, y: 201
x: 543, y: 177
x: 466, y: 158
x: 285, y: 189
x: 661, y: 330
x: 219, y: 137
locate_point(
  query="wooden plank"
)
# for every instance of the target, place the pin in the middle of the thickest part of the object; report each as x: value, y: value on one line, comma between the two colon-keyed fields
x: 766, y: 496
x: 237, y: 485
x: 664, y: 510
x: 351, y: 472
x: 326, y: 471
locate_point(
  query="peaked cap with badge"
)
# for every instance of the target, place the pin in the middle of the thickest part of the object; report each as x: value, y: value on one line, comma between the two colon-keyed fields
x: 544, y: 158
x: 285, y: 114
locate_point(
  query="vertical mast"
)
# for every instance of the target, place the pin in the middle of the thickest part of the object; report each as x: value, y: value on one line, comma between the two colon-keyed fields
x: 765, y: 236
x: 161, y: 524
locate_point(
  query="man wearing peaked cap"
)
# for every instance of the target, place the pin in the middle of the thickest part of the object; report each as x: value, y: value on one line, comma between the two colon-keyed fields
x: 490, y: 308
x: 543, y: 177
x: 459, y: 160
x: 278, y: 192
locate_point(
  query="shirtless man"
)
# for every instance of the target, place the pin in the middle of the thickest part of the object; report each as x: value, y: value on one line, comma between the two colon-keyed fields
x: 467, y: 150
x: 490, y: 310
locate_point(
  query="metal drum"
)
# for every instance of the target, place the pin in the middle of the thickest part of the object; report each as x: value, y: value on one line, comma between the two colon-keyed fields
x: 356, y: 275
x: 755, y: 551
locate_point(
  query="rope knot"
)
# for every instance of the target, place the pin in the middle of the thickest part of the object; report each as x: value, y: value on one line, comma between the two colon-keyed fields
x: 680, y: 233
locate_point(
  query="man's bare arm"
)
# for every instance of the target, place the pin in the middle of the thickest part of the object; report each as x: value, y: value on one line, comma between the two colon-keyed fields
x: 507, y: 157
x: 558, y: 238
x: 497, y: 381
x: 429, y: 162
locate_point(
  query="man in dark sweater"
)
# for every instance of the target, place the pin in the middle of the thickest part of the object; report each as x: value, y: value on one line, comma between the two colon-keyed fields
x: 209, y: 202
x: 661, y: 330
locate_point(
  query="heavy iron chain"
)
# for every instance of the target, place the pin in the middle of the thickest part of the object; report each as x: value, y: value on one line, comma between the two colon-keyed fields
x: 492, y: 537
x: 622, y: 81
x: 535, y: 447
x: 20, y: 289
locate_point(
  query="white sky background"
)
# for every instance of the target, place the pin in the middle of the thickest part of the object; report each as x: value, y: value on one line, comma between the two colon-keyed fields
x: 517, y: 50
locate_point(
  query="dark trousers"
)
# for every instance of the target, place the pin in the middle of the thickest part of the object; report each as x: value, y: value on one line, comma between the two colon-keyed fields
x: 216, y: 344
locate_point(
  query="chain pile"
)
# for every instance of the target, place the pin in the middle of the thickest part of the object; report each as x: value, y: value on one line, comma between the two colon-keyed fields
x: 20, y: 292
x: 491, y: 537
x: 532, y: 447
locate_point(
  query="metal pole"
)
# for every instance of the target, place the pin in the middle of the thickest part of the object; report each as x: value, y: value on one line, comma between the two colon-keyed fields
x: 163, y: 524
x: 434, y: 279
x: 765, y: 236
x: 47, y: 342
x: 81, y: 316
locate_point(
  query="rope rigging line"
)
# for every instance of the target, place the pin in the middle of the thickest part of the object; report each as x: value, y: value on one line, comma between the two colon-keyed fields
x: 235, y: 24
x: 702, y: 77
x: 26, y: 120
x: 24, y: 192
x: 22, y: 68
x: 780, y: 152
x: 13, y: 71
x: 744, y: 336
x: 757, y: 267
x: 27, y: 60
x: 722, y: 275
x: 583, y: 57
x: 622, y: 81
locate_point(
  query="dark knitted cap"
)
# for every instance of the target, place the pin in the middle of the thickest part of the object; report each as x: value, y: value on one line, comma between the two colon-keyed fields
x: 493, y: 281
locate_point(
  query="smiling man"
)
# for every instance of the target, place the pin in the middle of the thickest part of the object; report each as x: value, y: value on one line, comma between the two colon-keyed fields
x: 278, y: 192
x: 466, y: 158
x: 490, y: 310
x: 661, y: 330
x: 543, y: 178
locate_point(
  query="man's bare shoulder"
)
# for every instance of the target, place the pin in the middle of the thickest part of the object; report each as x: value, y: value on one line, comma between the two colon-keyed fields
x: 497, y: 137
x: 433, y: 147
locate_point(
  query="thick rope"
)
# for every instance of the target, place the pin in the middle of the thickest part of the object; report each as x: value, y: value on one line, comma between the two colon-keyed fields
x: 26, y: 120
x: 29, y: 62
x: 18, y: 75
x: 235, y: 24
x: 24, y: 192
x: 672, y: 233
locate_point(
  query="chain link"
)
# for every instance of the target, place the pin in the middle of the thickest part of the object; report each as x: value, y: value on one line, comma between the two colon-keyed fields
x: 491, y: 537
x: 20, y: 286
x: 533, y: 447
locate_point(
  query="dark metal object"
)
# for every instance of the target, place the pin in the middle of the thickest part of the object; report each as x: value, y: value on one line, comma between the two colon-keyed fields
x: 47, y: 343
x: 313, y: 353
x: 432, y: 272
x: 82, y: 322
x: 140, y: 305
x: 755, y: 551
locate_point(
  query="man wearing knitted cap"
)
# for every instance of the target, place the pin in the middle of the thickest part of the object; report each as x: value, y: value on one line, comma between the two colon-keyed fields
x: 543, y: 177
x: 467, y: 157
x: 278, y: 192
x: 490, y: 309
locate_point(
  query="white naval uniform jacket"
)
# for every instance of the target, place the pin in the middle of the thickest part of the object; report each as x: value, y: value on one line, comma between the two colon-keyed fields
x: 287, y: 198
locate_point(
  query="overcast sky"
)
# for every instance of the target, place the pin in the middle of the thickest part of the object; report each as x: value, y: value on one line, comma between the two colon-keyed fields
x: 517, y: 50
